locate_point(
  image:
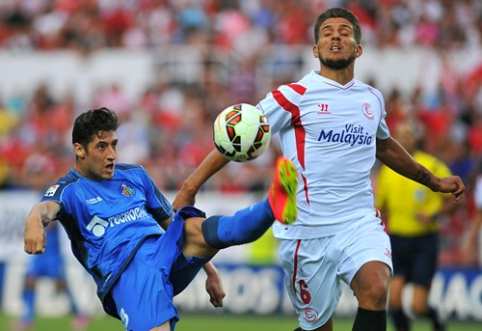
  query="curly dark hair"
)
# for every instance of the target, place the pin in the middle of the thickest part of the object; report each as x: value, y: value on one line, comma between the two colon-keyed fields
x: 339, y: 12
x: 93, y: 122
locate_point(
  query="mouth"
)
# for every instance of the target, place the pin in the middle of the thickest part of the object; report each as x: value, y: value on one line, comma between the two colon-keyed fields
x: 110, y: 167
x: 335, y: 48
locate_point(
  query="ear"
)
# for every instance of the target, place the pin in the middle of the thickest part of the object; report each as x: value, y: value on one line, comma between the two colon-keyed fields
x: 315, y: 51
x: 358, y: 51
x: 79, y: 150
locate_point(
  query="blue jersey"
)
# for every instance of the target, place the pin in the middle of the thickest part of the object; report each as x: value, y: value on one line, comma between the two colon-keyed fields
x: 108, y: 220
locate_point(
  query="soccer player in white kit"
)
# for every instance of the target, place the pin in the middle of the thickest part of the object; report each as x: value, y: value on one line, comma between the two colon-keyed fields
x: 333, y: 128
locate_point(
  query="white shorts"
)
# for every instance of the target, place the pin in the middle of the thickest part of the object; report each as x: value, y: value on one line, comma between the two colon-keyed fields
x: 315, y: 268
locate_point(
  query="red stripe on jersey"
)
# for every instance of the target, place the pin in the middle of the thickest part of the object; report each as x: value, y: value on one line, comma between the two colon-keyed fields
x: 295, y: 265
x: 305, y: 188
x: 300, y: 132
x: 300, y: 89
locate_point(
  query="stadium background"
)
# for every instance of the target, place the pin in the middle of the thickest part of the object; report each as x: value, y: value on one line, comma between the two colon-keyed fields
x: 168, y: 67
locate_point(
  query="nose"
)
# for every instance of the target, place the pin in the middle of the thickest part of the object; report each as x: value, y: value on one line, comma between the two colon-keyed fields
x: 112, y: 153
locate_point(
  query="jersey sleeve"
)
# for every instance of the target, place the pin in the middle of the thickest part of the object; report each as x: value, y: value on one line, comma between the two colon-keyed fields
x: 156, y: 203
x: 58, y: 193
x: 382, y: 132
x: 280, y: 105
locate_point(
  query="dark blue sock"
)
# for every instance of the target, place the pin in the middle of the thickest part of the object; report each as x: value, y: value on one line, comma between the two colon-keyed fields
x: 29, y: 300
x: 243, y: 227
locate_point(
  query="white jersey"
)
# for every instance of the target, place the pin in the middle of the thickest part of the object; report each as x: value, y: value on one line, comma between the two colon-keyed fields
x: 329, y: 131
x: 478, y: 192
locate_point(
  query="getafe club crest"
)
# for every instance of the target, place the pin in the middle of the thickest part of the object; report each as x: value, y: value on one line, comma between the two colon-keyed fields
x: 127, y: 191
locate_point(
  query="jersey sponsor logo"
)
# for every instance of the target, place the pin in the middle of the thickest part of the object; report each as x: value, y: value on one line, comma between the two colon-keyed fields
x: 323, y: 108
x: 93, y: 201
x: 51, y: 190
x: 97, y: 226
x: 367, y: 111
x: 128, y: 191
x: 128, y: 216
x: 352, y: 135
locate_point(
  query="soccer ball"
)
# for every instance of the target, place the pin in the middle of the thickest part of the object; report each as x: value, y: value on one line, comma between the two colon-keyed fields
x: 241, y: 132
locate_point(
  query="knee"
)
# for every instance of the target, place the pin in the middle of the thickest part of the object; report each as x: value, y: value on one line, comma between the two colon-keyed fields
x: 371, y: 285
x: 373, y: 295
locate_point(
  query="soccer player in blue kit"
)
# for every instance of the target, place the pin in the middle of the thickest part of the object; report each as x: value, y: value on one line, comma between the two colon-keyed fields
x: 127, y: 236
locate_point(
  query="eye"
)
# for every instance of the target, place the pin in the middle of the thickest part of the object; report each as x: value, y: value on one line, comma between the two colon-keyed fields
x: 101, y: 146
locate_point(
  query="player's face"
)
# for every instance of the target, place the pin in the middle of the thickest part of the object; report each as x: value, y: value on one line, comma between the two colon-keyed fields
x: 97, y: 162
x: 336, y: 47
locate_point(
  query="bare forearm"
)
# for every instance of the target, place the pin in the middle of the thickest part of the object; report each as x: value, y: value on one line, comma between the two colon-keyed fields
x: 210, y: 165
x: 209, y: 268
x: 43, y: 212
x: 392, y: 154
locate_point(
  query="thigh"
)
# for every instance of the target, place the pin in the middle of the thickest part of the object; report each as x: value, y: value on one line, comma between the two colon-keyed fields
x: 368, y: 242
x: 194, y: 243
x: 311, y: 279
x: 143, y: 297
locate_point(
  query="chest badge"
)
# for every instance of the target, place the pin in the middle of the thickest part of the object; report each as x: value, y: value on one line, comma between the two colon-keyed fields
x: 367, y: 111
x: 128, y: 191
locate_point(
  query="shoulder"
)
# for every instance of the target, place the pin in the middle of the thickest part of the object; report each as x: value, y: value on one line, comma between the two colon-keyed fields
x: 298, y: 88
x: 57, y: 190
x: 369, y: 88
x: 128, y: 167
x: 128, y: 170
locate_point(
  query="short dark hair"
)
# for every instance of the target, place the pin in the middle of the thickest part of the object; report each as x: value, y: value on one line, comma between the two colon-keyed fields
x: 339, y: 12
x: 91, y: 123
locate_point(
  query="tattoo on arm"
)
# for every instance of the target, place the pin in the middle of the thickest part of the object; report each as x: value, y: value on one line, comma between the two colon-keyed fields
x: 422, y: 177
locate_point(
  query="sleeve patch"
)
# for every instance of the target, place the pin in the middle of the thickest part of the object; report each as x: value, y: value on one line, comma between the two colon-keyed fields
x: 51, y: 190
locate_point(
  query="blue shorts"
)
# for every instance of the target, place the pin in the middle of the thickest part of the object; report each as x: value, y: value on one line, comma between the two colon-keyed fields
x: 144, y: 292
x: 415, y: 258
x: 50, y: 266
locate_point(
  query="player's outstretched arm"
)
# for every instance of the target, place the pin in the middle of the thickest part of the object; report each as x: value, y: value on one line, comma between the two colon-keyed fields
x: 34, y: 234
x: 391, y: 153
x: 214, y: 285
x: 214, y: 162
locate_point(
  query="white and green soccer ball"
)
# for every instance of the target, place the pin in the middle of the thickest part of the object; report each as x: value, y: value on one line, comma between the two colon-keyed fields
x: 241, y: 132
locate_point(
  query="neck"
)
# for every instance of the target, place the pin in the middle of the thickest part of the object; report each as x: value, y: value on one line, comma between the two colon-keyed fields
x: 341, y: 76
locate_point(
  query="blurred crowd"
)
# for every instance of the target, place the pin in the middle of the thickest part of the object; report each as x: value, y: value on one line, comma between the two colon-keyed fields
x: 168, y: 128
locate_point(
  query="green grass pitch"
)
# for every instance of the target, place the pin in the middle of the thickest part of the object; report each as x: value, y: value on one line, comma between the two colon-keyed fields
x: 214, y: 322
